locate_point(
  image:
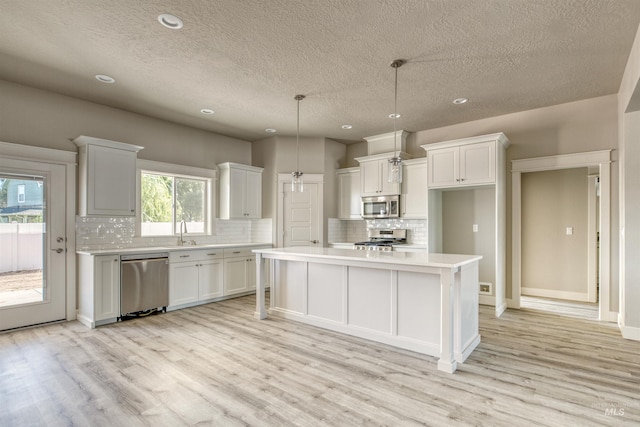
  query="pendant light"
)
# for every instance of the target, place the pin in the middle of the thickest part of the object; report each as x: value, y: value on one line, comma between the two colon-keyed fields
x: 296, y: 181
x: 394, y: 174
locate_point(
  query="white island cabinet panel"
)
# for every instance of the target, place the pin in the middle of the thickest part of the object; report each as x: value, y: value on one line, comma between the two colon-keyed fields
x: 325, y: 295
x: 419, y: 305
x: 370, y: 299
x: 422, y: 302
x: 289, y: 293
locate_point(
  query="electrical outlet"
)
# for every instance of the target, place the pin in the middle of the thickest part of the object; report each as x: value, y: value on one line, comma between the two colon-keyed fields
x: 485, y: 288
x: 475, y: 228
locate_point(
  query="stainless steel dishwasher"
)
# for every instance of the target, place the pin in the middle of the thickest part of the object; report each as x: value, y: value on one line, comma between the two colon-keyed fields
x: 144, y: 284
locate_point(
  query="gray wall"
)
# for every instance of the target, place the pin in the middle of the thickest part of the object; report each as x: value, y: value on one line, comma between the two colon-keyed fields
x: 277, y: 154
x: 461, y: 209
x: 551, y: 202
x: 40, y: 118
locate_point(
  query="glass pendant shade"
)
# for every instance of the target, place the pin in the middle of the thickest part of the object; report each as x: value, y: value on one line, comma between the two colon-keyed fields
x: 394, y: 170
x: 297, y: 185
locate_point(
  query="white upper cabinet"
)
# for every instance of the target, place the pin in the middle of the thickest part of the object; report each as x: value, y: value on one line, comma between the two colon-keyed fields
x: 240, y: 191
x: 373, y: 176
x: 107, y: 177
x: 465, y: 162
x: 415, y: 193
x: 349, y: 200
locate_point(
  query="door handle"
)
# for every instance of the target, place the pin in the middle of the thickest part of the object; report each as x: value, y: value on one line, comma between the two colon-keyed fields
x: 315, y: 242
x: 58, y: 250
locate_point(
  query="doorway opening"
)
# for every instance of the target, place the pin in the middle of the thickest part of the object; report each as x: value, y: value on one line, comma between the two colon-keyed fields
x: 598, y: 163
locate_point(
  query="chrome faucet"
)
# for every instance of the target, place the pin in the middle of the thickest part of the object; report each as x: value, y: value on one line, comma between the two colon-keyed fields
x: 183, y: 224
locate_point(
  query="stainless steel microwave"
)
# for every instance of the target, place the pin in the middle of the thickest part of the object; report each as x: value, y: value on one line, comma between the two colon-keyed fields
x: 381, y: 207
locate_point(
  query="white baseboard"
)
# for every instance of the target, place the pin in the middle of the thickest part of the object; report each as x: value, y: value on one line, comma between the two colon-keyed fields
x: 487, y: 300
x: 628, y: 332
x: 552, y: 293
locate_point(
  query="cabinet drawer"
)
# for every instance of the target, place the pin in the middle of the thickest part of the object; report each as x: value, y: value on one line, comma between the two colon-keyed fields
x: 195, y: 255
x: 238, y: 252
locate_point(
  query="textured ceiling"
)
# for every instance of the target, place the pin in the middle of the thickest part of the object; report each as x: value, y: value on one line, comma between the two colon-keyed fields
x: 246, y: 59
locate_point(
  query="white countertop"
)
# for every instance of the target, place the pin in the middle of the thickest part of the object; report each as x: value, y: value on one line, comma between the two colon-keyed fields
x: 399, y: 258
x: 151, y: 249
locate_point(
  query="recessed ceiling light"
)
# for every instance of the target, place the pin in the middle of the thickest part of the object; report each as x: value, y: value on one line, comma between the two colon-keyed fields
x: 105, y: 79
x: 394, y: 116
x: 347, y: 127
x: 270, y: 130
x: 207, y: 111
x: 170, y: 21
x: 459, y: 101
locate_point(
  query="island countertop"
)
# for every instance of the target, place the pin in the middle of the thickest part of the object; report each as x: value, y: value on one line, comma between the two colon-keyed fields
x: 416, y: 259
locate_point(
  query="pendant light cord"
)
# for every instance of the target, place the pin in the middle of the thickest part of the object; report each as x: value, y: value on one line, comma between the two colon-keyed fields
x: 298, y: 98
x: 298, y: 138
x: 395, y: 114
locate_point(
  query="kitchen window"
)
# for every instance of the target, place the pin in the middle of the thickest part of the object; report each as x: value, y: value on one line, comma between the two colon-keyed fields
x: 167, y: 198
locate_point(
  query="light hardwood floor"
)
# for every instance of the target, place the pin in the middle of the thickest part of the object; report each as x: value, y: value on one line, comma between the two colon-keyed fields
x: 217, y: 365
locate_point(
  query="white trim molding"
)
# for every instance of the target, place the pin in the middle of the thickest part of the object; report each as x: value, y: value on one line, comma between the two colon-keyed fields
x: 600, y: 159
x: 628, y: 332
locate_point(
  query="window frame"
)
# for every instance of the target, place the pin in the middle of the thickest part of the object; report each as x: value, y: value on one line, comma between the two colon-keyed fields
x: 178, y: 171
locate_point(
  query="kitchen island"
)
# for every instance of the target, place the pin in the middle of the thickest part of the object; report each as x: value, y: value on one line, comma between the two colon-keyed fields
x: 422, y: 302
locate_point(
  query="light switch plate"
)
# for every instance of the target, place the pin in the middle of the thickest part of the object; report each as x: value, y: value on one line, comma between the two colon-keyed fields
x: 569, y: 231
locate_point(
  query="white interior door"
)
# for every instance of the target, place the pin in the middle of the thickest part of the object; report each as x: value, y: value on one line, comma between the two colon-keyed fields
x: 300, y: 213
x: 32, y: 243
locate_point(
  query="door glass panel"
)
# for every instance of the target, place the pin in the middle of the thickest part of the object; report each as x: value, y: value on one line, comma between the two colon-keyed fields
x: 21, y: 240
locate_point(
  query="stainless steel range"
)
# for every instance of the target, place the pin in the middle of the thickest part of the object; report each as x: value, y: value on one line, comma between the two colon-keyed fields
x: 382, y: 240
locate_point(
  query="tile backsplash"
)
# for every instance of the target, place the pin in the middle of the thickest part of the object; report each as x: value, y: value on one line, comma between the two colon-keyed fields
x: 342, y: 231
x: 95, y: 233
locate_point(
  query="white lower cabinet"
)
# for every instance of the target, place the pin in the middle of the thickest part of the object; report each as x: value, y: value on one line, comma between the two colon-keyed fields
x: 235, y: 275
x: 204, y: 275
x: 240, y: 270
x: 194, y: 276
x: 98, y: 289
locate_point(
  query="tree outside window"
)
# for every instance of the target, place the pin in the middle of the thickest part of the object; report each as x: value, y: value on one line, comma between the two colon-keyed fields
x: 167, y: 200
